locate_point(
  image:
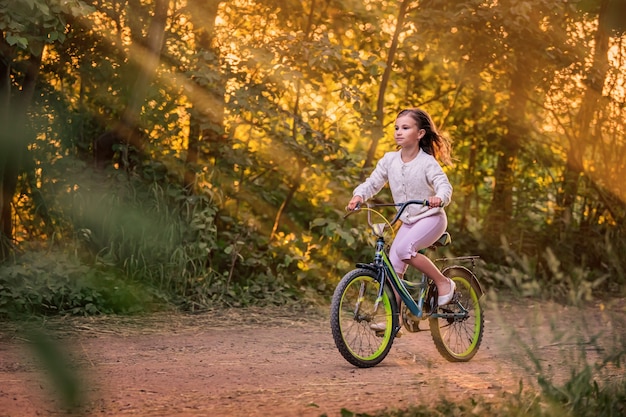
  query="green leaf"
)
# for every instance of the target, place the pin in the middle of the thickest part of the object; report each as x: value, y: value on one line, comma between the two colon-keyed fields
x: 318, y: 222
x: 20, y: 41
x: 42, y: 6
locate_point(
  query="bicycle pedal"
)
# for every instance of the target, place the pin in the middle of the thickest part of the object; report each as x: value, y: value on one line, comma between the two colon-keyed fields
x: 455, y: 299
x: 412, y: 326
x: 380, y: 333
x: 410, y: 321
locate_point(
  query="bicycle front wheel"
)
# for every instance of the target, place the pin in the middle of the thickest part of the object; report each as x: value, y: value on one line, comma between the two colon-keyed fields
x: 457, y: 329
x: 362, y: 329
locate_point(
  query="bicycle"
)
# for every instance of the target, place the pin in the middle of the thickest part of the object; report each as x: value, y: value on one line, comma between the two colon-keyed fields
x: 364, y: 299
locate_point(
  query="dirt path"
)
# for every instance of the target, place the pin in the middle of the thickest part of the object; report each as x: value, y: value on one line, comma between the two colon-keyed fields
x: 261, y: 362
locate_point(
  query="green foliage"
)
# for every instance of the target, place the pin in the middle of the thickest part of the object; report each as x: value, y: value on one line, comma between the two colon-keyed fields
x: 29, y: 24
x: 46, y: 283
x: 154, y: 232
x: 545, y: 277
x: 283, y: 118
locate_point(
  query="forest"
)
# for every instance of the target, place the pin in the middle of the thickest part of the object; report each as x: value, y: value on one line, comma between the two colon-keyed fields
x: 201, y: 152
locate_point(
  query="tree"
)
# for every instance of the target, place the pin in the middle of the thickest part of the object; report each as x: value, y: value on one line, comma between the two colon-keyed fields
x: 526, y: 31
x: 595, y: 79
x: 146, y: 54
x: 145, y: 57
x: 384, y: 82
x: 271, y: 109
x: 27, y: 28
x: 206, y: 128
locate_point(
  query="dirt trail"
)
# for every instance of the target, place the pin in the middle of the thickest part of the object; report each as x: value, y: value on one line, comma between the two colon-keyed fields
x: 260, y: 362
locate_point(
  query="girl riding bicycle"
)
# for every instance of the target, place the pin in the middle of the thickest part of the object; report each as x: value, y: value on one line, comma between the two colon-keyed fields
x: 413, y: 172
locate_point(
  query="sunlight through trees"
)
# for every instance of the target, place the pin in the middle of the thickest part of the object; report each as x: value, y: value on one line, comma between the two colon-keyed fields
x: 240, y: 127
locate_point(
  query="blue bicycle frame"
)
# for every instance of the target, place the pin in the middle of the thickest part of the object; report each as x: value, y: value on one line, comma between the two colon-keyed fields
x: 386, y: 272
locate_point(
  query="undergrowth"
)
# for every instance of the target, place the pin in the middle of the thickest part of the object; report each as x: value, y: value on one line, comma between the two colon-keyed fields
x: 130, y: 241
x: 53, y: 283
x: 126, y: 244
x: 594, y: 401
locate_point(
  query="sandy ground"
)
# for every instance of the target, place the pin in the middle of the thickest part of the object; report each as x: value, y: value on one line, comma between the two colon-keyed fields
x: 283, y: 362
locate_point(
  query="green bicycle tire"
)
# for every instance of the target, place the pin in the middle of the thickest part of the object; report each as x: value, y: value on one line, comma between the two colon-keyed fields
x: 357, y: 342
x: 458, y: 340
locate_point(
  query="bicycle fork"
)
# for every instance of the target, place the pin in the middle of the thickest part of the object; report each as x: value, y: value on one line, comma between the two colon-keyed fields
x: 378, y: 261
x: 361, y: 297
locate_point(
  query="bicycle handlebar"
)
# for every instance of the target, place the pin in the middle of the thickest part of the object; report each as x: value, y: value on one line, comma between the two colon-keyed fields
x: 402, y: 206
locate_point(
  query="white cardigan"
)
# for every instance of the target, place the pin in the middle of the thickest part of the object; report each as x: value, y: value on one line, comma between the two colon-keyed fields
x: 418, y: 179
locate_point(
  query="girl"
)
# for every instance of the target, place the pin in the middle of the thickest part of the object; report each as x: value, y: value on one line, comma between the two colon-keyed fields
x: 413, y: 173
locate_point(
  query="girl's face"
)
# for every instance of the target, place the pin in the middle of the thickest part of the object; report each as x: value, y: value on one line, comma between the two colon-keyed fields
x: 407, y: 133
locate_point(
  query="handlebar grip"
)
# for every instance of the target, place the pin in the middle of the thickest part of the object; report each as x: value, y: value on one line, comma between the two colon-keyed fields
x: 350, y: 212
x: 427, y: 204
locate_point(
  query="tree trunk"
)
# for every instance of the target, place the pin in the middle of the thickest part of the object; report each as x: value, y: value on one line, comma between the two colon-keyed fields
x: 14, y: 140
x: 207, y: 116
x: 146, y: 56
x: 148, y: 60
x: 501, y: 208
x: 378, y: 131
x: 297, y: 177
x: 191, y: 160
x: 468, y: 185
x: 6, y: 196
x: 593, y: 93
x: 292, y: 192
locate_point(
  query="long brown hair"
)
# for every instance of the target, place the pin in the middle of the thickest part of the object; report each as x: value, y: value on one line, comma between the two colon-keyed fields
x: 433, y: 142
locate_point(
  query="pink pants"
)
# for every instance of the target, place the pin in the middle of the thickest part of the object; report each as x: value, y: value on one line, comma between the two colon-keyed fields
x: 413, y: 237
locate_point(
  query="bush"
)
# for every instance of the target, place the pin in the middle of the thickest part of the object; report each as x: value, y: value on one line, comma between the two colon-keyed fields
x: 53, y: 283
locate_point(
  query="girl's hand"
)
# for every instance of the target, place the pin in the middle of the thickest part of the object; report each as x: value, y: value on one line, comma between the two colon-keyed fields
x: 434, y: 202
x: 356, y: 200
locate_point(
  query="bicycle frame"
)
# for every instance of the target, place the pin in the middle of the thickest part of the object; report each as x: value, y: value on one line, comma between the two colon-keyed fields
x: 387, y: 274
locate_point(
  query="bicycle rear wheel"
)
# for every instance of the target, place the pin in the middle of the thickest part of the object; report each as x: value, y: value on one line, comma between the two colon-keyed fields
x: 352, y: 317
x: 458, y: 334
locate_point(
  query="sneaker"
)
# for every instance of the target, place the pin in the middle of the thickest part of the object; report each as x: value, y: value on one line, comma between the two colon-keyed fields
x: 442, y: 300
x: 380, y: 328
